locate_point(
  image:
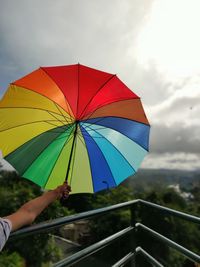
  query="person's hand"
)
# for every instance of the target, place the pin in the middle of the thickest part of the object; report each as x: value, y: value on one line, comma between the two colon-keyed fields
x: 63, y: 191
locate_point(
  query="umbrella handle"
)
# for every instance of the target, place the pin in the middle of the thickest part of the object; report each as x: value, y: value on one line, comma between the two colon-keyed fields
x: 65, y: 195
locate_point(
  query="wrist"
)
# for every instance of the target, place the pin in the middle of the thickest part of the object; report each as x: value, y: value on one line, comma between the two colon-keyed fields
x: 53, y: 194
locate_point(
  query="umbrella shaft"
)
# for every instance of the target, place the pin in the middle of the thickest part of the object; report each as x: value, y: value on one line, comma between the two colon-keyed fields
x: 71, y: 152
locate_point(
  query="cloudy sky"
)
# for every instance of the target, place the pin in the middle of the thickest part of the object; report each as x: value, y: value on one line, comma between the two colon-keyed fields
x: 152, y: 45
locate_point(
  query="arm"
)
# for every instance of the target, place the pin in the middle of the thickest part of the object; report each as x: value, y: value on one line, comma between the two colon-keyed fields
x: 30, y: 210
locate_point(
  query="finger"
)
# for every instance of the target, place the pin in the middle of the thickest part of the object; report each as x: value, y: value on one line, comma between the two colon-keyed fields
x: 69, y: 187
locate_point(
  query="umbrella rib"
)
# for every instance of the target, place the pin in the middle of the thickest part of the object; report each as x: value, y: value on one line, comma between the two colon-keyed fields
x: 115, y: 148
x: 57, y: 106
x: 100, y: 128
x: 53, y: 123
x: 62, y: 113
x: 86, y: 135
x: 69, y: 140
x: 57, y: 157
x: 66, y: 142
x: 84, y: 144
x: 79, y: 136
x: 23, y: 87
x: 31, y: 108
x: 85, y: 128
x: 108, y: 127
x: 102, y: 118
x: 102, y: 155
x: 49, y: 112
x: 56, y: 118
x: 108, y: 102
x: 49, y: 132
x: 88, y: 126
x: 27, y: 124
x: 82, y: 113
x: 56, y: 138
x: 73, y: 157
x: 67, y: 103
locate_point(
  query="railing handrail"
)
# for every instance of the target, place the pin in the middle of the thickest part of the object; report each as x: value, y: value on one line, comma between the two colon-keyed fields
x: 186, y: 252
x: 56, y: 223
x: 71, y: 260
x: 185, y: 216
x: 148, y: 257
x: 130, y: 256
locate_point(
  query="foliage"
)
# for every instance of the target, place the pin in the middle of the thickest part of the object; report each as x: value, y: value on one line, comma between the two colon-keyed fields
x: 11, y: 260
x: 108, y: 224
x: 182, y: 232
x: 41, y: 248
x: 35, y: 249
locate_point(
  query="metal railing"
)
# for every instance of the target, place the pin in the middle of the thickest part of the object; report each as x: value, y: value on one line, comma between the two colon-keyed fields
x: 131, y: 230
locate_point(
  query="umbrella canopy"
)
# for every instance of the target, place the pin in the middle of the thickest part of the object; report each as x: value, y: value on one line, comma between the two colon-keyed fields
x: 76, y: 123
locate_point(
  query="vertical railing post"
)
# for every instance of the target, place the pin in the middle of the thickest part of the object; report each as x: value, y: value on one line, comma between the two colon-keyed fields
x: 133, y: 234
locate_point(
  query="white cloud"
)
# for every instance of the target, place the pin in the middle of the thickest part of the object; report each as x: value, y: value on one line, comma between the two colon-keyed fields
x: 95, y: 33
x: 170, y: 39
x: 176, y: 161
x: 176, y: 138
x: 4, y: 165
x: 183, y: 110
x: 154, y: 49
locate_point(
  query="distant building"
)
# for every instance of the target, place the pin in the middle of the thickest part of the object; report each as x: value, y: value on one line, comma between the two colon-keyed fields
x: 185, y: 195
x: 77, y: 232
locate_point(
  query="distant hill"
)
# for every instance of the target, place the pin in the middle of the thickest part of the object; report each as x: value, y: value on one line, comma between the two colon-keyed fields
x: 152, y: 178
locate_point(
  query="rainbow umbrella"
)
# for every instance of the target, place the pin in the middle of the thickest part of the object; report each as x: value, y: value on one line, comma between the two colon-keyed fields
x: 75, y: 123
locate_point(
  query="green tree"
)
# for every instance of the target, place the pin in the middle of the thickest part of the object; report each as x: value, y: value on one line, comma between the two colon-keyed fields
x: 180, y: 231
x: 35, y: 249
x: 110, y: 223
x: 11, y: 260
